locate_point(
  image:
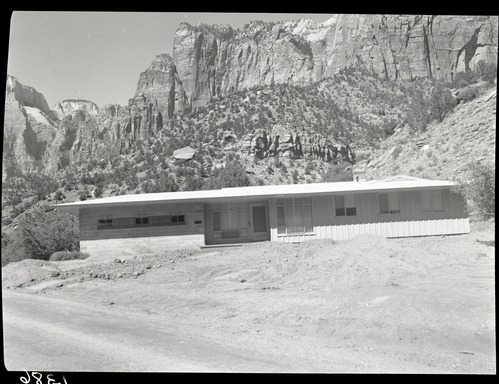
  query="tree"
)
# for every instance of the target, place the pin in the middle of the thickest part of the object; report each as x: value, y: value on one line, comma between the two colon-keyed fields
x: 418, y: 115
x: 98, y: 191
x: 167, y: 183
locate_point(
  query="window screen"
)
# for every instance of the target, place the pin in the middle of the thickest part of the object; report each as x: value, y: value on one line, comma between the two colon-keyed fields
x: 389, y: 203
x: 294, y: 215
x: 345, y: 205
x: 229, y: 220
x: 432, y: 201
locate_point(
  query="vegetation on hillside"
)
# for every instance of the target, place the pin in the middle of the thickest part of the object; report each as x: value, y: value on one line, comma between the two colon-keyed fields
x: 353, y: 107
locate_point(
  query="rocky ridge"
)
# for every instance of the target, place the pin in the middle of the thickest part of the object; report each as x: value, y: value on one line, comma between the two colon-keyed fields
x: 285, y: 142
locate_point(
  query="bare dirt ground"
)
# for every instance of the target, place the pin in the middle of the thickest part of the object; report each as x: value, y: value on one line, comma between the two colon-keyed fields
x: 418, y: 305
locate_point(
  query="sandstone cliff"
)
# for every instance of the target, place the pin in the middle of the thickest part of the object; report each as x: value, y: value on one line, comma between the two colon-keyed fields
x: 214, y: 60
x: 29, y: 128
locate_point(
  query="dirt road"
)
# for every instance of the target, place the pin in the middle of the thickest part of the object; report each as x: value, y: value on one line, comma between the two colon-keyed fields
x: 47, y: 334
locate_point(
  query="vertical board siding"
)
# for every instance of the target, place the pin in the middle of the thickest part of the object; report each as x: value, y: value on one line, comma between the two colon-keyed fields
x: 411, y: 221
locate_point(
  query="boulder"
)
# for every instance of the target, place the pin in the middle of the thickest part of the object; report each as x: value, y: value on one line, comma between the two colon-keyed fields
x: 186, y: 153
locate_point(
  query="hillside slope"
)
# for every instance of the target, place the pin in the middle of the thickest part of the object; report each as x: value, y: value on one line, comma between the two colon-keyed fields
x: 444, y: 150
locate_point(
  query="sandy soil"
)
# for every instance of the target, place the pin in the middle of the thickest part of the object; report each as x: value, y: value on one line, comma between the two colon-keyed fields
x: 424, y: 305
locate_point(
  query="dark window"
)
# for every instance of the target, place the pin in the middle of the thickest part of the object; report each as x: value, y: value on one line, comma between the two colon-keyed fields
x: 105, y: 223
x: 351, y: 211
x: 142, y: 221
x: 339, y: 203
x: 178, y: 219
x: 216, y: 221
x: 345, y: 205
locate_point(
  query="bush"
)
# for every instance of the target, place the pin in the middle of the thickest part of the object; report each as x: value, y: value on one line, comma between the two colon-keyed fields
x: 232, y: 175
x: 487, y: 71
x: 469, y: 93
x: 463, y: 79
x: 480, y: 189
x: 338, y: 172
x: 441, y: 102
x: 65, y: 255
x: 39, y: 234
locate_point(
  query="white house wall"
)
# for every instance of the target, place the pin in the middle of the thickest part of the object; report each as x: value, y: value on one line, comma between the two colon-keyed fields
x: 411, y: 221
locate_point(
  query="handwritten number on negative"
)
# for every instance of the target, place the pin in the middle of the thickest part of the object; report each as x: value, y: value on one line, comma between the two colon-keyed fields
x: 38, y: 377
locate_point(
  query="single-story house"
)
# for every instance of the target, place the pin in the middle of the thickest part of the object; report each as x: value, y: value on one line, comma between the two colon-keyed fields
x: 400, y: 206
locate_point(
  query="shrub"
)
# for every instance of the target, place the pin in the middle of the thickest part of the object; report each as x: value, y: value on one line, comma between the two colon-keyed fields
x: 441, y: 102
x: 59, y: 195
x: 463, y: 79
x: 39, y: 234
x: 469, y: 93
x: 338, y: 172
x: 487, y: 71
x: 232, y: 175
x: 98, y: 191
x: 480, y: 189
x: 66, y: 255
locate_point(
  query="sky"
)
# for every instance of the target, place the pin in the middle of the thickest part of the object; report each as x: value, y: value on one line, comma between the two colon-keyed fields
x: 99, y: 56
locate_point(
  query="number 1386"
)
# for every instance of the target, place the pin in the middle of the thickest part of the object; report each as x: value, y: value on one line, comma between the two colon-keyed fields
x: 38, y: 378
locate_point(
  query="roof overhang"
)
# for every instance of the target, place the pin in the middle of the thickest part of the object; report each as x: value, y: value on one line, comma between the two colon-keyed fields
x: 257, y: 192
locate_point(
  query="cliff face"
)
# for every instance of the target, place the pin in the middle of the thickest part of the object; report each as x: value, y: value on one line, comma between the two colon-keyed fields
x: 40, y: 139
x: 216, y: 60
x: 29, y: 128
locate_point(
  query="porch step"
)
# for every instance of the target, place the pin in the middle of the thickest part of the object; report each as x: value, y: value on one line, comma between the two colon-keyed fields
x: 221, y: 245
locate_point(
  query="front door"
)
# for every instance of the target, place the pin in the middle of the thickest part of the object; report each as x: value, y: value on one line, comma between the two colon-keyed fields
x: 259, y: 219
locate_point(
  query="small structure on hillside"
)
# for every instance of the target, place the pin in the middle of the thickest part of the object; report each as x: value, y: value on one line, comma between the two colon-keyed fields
x: 400, y: 206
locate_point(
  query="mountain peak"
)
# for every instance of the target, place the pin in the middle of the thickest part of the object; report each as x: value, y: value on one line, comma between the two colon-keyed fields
x: 70, y: 106
x: 25, y: 95
x: 162, y: 62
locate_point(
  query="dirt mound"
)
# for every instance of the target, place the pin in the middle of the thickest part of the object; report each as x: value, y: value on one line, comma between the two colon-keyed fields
x: 362, y: 261
x: 27, y: 271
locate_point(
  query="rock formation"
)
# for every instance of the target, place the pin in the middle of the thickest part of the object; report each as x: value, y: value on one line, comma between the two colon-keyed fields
x: 214, y: 60
x: 70, y: 106
x: 286, y: 142
x: 29, y: 128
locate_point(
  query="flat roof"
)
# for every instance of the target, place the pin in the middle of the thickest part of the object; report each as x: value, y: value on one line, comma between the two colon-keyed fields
x: 400, y: 182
